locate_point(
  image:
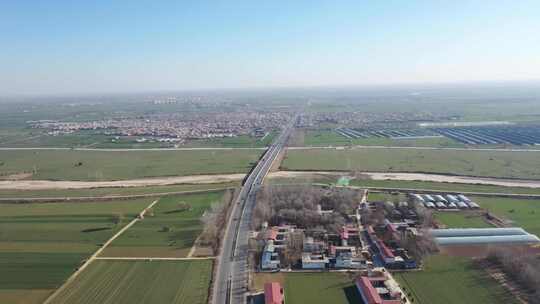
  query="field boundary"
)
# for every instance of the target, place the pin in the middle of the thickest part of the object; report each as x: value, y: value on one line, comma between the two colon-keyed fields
x: 149, y: 259
x: 28, y: 200
x: 418, y: 190
x: 98, y: 252
x: 434, y: 191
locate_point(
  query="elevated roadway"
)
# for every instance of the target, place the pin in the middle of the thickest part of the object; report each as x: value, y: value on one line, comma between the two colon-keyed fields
x: 231, y: 277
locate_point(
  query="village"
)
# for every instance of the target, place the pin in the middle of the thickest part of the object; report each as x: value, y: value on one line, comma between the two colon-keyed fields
x: 374, y: 240
x: 173, y: 127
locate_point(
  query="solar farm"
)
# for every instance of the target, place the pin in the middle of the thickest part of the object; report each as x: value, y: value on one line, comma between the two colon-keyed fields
x: 513, y: 135
x: 388, y: 133
x: 518, y: 135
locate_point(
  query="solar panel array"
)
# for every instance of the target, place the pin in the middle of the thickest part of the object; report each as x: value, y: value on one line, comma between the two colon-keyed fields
x: 513, y: 135
x: 486, y: 135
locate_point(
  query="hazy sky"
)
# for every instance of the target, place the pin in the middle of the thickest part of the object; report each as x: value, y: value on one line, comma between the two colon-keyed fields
x: 54, y: 47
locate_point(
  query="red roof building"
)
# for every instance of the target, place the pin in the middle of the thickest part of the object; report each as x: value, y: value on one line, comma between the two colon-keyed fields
x: 370, y: 294
x: 271, y: 234
x: 273, y: 293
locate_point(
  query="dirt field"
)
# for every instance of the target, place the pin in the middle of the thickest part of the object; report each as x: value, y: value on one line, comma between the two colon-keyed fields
x: 412, y: 177
x: 46, y: 184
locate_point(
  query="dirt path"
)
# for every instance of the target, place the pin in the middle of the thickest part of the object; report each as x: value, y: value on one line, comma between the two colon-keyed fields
x: 98, y: 252
x: 153, y: 258
x: 45, y: 199
x: 415, y: 177
x: 163, y: 181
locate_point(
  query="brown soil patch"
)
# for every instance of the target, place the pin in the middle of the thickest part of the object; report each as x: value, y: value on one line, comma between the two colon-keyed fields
x: 203, y: 252
x: 17, y: 176
x: 481, y: 251
x: 260, y: 278
x: 24, y: 296
x: 192, y: 179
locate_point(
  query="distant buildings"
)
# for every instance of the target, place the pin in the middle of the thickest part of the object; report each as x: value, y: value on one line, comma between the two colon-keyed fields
x: 175, y: 127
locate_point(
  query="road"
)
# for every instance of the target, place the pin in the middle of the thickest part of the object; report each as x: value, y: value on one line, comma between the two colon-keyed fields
x: 413, y: 148
x: 230, y: 281
x: 128, y: 149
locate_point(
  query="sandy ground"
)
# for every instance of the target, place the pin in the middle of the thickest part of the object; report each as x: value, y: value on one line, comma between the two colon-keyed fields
x: 46, y: 184
x: 414, y: 177
x: 221, y: 178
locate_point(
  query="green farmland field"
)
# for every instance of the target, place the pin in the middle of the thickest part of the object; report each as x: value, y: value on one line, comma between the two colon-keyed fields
x: 451, y: 280
x: 170, y: 232
x: 42, y: 244
x: 119, y: 282
x: 459, y: 162
x: 461, y: 220
x: 320, y: 288
x: 118, y: 165
x: 523, y: 213
x: 313, y: 288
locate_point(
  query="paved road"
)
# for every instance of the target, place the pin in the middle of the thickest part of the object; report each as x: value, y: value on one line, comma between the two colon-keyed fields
x: 230, y: 281
x: 130, y: 149
x: 414, y: 148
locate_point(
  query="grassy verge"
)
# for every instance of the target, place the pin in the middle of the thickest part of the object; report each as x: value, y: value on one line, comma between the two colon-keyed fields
x: 99, y: 192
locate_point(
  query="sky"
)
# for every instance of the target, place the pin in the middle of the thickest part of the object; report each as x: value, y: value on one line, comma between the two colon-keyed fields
x: 62, y: 47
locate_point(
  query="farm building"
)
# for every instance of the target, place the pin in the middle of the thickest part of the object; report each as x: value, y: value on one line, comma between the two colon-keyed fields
x: 314, y: 261
x: 273, y: 293
x: 270, y: 258
x: 379, y: 288
x: 441, y: 201
x: 483, y: 236
x: 347, y: 257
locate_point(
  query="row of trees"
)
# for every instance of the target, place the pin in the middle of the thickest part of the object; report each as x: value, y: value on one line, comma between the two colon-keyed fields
x: 214, y: 221
x: 522, y: 267
x: 298, y: 205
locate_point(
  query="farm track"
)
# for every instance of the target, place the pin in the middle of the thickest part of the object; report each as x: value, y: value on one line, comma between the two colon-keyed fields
x: 96, y: 254
x: 105, y: 197
x: 153, y: 258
